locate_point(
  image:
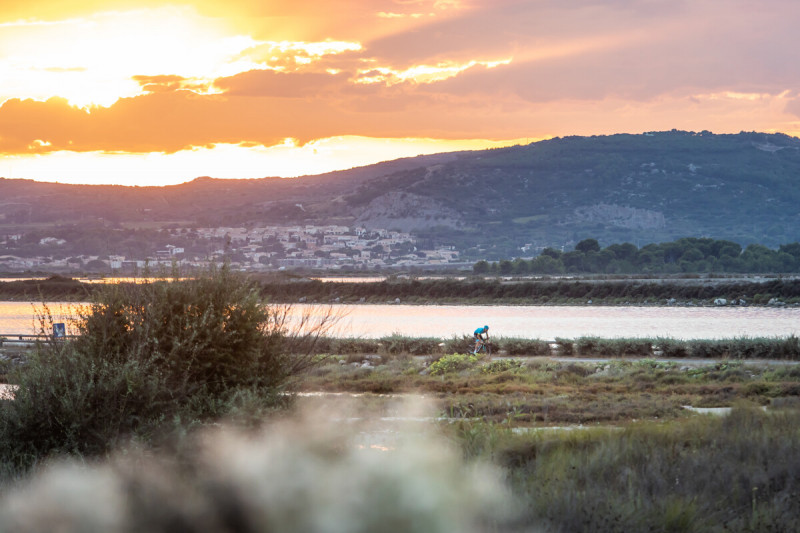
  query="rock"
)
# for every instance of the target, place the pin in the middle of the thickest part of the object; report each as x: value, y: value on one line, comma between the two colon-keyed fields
x: 720, y: 301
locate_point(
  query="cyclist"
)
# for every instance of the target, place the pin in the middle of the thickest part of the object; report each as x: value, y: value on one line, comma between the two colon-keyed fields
x: 479, y: 337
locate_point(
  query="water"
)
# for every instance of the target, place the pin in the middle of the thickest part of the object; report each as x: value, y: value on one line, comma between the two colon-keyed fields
x: 534, y: 322
x: 22, y: 317
x: 549, y: 322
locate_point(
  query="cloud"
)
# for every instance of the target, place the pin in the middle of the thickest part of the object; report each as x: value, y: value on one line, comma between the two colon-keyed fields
x: 171, y: 83
x: 270, y: 83
x: 491, y: 70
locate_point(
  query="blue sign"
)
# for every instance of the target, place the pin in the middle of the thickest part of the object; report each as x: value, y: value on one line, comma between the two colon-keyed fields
x: 59, y: 330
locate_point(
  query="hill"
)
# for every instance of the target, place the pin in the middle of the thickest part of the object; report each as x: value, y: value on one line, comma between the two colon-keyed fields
x: 652, y: 187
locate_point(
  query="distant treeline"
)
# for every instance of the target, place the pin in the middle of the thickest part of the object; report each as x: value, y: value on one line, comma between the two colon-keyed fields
x: 57, y: 288
x: 533, y: 291
x: 694, y: 255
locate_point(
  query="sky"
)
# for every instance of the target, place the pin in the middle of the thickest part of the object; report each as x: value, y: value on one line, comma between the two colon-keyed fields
x: 152, y: 92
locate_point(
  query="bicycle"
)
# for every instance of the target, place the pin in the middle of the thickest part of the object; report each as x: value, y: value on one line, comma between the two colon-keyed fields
x: 484, y: 348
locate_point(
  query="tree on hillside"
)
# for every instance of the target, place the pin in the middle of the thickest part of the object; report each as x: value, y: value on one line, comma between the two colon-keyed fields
x: 588, y: 245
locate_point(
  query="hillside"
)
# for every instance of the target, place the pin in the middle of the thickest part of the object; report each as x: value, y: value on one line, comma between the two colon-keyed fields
x: 645, y: 188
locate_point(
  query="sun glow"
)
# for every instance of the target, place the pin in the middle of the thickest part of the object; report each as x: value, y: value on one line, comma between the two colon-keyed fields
x: 287, y: 159
x: 99, y: 59
x: 92, y: 60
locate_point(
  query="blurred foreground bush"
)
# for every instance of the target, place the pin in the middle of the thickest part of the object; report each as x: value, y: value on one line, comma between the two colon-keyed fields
x: 314, y: 476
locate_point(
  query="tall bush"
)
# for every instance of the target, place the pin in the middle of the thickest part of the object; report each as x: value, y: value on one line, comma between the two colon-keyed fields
x: 151, y: 357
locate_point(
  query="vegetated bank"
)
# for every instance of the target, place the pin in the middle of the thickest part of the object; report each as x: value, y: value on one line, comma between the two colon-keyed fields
x: 546, y: 291
x: 741, y: 348
x: 608, y: 290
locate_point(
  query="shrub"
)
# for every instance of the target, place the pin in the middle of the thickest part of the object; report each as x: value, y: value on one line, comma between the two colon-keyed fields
x: 453, y: 363
x: 291, y: 477
x: 515, y: 346
x: 502, y: 365
x: 566, y: 347
x: 614, y: 347
x: 151, y: 356
x: 397, y: 344
x: 462, y: 344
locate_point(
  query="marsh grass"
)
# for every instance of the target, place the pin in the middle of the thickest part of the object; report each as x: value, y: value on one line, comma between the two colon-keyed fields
x: 550, y: 391
x: 737, y: 473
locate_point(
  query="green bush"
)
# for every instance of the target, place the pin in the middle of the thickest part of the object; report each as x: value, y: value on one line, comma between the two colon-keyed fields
x: 453, y: 363
x: 462, y: 344
x: 614, y: 347
x: 398, y: 344
x: 672, y: 348
x: 149, y: 356
x: 516, y: 346
x: 566, y: 347
x: 502, y: 365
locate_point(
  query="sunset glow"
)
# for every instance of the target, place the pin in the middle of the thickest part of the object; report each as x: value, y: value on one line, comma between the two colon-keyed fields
x: 156, y: 92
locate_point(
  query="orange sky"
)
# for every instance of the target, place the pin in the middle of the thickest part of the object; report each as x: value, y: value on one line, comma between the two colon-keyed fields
x: 143, y: 92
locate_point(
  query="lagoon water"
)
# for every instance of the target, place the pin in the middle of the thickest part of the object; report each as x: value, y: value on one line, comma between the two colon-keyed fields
x: 535, y: 322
